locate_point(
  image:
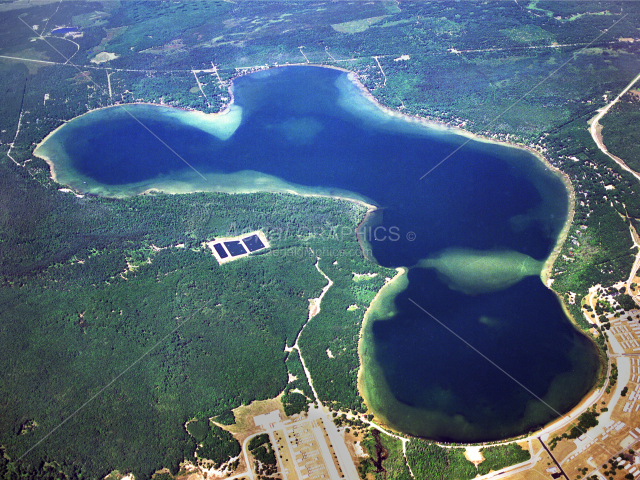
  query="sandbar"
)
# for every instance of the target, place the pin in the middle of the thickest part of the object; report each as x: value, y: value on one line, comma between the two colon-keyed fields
x: 389, y: 290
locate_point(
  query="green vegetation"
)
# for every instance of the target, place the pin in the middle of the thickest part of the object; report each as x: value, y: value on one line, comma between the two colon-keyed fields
x: 294, y: 402
x: 336, y: 328
x: 429, y: 461
x: 355, y: 423
x: 113, y: 279
x: 257, y: 441
x: 386, y: 460
x: 265, y: 462
x: 214, y: 443
x: 587, y: 420
x: 626, y: 302
x: 613, y: 377
x: 225, y: 418
x: 294, y: 366
x: 199, y: 429
x: 473, y: 87
x: 13, y: 79
x: 501, y: 456
x: 620, y: 132
x: 599, y: 244
x: 528, y: 34
x: 613, y: 465
x: 89, y: 285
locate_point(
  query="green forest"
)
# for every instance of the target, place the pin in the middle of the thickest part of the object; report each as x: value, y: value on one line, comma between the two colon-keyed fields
x: 107, y: 288
x: 430, y: 461
x: 385, y: 458
x: 92, y: 286
x: 214, y: 443
x: 502, y: 456
x: 619, y: 129
x: 265, y: 462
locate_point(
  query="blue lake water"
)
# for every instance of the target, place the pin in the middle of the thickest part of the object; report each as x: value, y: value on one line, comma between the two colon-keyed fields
x: 476, y: 231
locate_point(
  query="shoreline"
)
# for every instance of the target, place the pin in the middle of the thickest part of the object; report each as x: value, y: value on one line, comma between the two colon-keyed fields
x: 548, y: 262
x: 289, y: 191
x: 562, y: 236
x: 429, y: 122
x: 401, y: 273
x: 364, y: 245
x: 49, y: 162
x: 545, y: 275
x: 369, y: 206
x: 305, y: 64
x: 353, y: 78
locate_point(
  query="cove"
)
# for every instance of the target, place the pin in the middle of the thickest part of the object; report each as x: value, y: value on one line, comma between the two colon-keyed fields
x: 473, y: 234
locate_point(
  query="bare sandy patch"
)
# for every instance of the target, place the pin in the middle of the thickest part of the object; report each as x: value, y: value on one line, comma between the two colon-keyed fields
x: 103, y: 57
x: 358, y: 276
x: 245, y: 425
x: 474, y: 455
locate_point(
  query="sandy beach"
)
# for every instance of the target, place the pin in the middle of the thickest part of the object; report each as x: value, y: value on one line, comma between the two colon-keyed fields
x: 390, y: 285
x: 49, y: 162
x: 364, y: 91
x: 52, y: 166
x: 353, y: 78
x: 545, y: 275
x: 364, y: 244
x: 401, y: 274
x: 548, y: 266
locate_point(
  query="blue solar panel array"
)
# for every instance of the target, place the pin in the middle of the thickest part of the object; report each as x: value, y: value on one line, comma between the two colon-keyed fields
x: 235, y: 248
x: 253, y: 243
x: 221, y: 251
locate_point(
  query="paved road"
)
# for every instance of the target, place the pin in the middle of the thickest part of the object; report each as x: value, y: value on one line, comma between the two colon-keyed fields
x: 596, y: 128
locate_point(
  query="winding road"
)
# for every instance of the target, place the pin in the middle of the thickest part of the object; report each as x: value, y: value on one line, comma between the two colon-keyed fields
x: 596, y: 128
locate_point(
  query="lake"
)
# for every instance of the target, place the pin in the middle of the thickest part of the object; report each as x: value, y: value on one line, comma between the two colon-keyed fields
x: 474, y: 233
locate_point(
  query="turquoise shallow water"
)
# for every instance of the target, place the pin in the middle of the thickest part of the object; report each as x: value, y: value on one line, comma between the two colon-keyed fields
x: 475, y: 230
